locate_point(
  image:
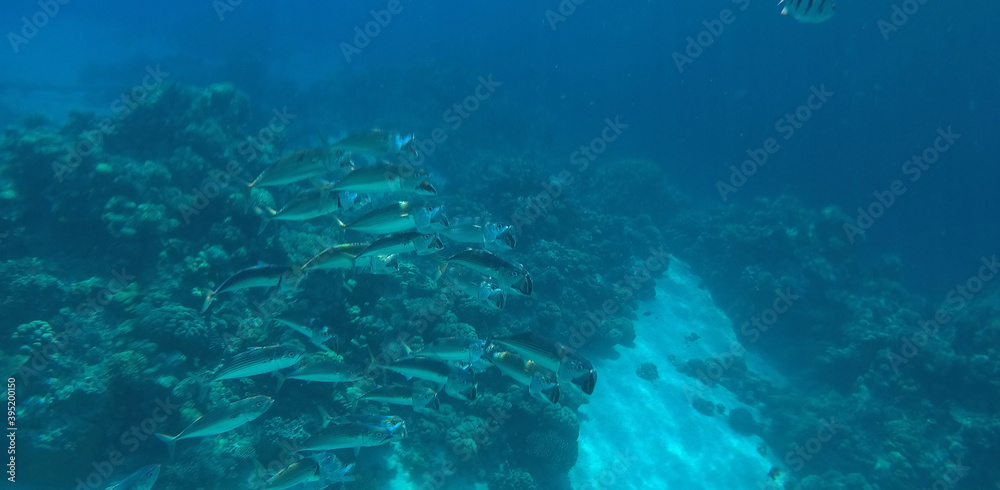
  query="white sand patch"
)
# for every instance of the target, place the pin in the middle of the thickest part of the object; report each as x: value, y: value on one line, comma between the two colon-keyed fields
x: 639, y: 434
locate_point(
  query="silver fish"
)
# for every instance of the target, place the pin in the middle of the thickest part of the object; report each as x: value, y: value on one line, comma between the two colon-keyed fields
x: 499, y: 236
x: 485, y: 292
x: 301, y: 165
x: 315, y: 337
x: 378, y: 264
x: 554, y: 356
x: 310, y: 204
x: 336, y: 257
x: 328, y: 372
x: 421, y: 399
x: 384, y: 178
x: 143, y: 479
x: 457, y: 382
x: 321, y: 470
x: 508, y: 275
x: 260, y: 360
x: 261, y: 276
x: 454, y: 349
x: 394, y: 218
x: 490, y: 235
x: 376, y: 142
x: 542, y: 383
x: 421, y: 243
x: 809, y: 11
x: 225, y: 419
x: 345, y: 436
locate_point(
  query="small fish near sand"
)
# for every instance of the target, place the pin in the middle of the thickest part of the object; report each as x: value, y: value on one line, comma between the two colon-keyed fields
x: 809, y: 11
x: 225, y: 419
x: 260, y: 276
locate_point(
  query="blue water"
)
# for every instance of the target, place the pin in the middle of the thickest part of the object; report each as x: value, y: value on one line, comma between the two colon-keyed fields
x: 698, y: 89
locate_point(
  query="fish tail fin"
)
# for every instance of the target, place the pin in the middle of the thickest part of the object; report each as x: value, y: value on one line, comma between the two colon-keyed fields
x: 209, y: 298
x: 325, y: 416
x: 170, y: 441
x: 281, y: 381
x: 372, y: 364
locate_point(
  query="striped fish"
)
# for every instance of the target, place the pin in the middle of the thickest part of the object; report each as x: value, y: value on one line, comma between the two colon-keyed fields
x: 553, y: 356
x: 336, y: 257
x: 143, y: 479
x: 261, y: 276
x: 260, y: 360
x: 328, y: 372
x: 234, y: 415
x: 808, y: 11
x: 346, y: 436
x: 454, y: 349
x: 507, y: 274
x: 301, y: 165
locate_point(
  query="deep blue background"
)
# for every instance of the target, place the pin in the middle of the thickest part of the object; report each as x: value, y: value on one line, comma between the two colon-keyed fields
x: 614, y: 59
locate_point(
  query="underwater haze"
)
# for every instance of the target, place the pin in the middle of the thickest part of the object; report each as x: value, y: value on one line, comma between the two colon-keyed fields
x: 567, y: 244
